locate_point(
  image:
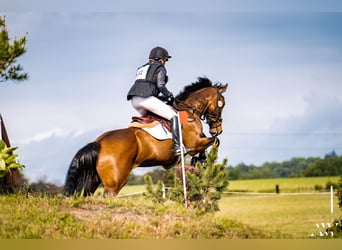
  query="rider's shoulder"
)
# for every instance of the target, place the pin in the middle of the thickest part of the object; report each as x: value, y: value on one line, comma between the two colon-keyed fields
x: 157, y: 66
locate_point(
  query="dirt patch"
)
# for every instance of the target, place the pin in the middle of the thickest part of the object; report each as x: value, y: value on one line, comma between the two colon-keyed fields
x: 104, y: 213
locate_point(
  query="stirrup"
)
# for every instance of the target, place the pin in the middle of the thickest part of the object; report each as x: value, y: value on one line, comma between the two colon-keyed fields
x: 177, y: 150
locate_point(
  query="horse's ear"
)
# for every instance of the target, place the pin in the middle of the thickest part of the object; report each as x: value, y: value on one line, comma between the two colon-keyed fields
x: 223, y: 88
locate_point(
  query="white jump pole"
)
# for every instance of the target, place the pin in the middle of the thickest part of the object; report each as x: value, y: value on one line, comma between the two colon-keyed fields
x: 331, y: 199
x: 182, y: 159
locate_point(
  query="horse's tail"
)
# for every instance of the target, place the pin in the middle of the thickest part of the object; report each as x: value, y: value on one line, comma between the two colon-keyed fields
x: 82, y: 173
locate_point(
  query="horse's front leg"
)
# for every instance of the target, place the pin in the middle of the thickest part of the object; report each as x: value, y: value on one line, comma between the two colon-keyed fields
x: 217, y: 141
x: 194, y: 139
x: 213, y: 140
x: 201, y: 144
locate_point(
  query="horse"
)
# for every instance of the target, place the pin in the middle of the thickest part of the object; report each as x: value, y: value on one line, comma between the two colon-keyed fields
x: 114, y: 154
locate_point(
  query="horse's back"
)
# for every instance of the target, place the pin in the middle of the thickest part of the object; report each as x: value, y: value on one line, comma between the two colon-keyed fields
x: 116, y: 141
x: 116, y: 134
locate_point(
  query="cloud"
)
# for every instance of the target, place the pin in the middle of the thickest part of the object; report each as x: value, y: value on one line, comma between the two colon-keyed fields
x: 82, y: 64
x: 55, y: 132
x: 323, y: 114
x: 315, y: 132
x: 47, y: 155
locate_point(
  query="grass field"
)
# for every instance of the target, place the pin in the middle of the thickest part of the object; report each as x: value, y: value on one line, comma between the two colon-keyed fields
x: 284, y: 215
x: 293, y: 213
x: 286, y: 185
x: 245, y: 215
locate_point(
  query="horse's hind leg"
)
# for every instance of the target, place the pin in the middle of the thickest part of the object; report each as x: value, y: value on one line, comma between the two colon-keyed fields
x: 113, y: 177
x: 113, y: 191
x: 113, y: 188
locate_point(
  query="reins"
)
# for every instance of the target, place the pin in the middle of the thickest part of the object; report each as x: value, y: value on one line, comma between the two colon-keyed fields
x: 188, y: 107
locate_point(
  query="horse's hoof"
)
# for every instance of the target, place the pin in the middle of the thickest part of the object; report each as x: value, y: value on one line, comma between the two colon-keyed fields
x: 217, y: 142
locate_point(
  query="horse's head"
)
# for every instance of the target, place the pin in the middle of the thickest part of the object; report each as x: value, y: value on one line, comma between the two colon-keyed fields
x: 206, y: 100
x: 215, y: 105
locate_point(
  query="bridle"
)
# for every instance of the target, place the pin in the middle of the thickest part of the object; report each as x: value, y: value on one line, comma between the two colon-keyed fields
x: 215, y: 119
x: 212, y: 119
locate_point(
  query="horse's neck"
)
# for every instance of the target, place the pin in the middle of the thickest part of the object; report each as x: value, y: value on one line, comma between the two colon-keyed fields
x: 198, y: 105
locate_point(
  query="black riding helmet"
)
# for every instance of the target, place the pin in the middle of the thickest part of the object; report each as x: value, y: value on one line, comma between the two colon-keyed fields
x: 159, y: 53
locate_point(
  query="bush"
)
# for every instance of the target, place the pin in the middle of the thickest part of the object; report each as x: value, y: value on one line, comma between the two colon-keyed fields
x: 337, y: 228
x: 8, y: 160
x: 204, y: 186
x: 329, y: 184
x: 155, y: 194
x: 318, y: 188
x: 42, y: 188
x: 11, y: 179
x: 339, y: 192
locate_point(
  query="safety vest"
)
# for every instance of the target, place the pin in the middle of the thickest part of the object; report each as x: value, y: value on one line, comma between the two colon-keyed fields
x: 146, y: 81
x: 147, y: 72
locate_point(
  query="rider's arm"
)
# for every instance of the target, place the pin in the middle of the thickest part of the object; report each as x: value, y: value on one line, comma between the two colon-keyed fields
x: 161, y: 83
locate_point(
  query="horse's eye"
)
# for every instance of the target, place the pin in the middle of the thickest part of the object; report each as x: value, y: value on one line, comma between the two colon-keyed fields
x: 220, y: 104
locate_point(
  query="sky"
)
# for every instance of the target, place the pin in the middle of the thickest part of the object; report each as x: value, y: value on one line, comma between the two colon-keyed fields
x: 282, y: 63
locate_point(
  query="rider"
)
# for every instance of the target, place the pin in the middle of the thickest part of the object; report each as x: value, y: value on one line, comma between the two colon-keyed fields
x: 149, y: 89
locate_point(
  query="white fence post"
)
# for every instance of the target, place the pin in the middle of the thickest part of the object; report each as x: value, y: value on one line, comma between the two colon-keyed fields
x: 182, y: 159
x: 331, y: 199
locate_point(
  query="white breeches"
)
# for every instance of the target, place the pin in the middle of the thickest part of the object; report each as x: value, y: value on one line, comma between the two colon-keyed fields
x: 154, y: 105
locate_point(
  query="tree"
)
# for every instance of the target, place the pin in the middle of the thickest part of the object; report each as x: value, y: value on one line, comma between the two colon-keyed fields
x: 325, y: 167
x: 205, y: 184
x: 331, y: 154
x: 9, y: 52
x: 233, y: 173
x: 339, y: 192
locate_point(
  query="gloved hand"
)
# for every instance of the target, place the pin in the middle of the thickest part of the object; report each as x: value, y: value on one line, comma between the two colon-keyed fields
x: 170, y: 99
x: 167, y: 99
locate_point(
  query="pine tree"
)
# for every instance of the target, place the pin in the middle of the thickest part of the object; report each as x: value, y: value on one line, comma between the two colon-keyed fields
x: 9, y: 69
x: 155, y: 194
x: 204, y: 186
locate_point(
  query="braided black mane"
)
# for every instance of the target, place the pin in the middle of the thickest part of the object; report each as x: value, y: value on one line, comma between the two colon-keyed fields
x: 202, y: 82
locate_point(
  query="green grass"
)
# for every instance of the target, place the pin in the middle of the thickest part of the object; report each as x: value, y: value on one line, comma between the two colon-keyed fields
x: 36, y: 217
x: 286, y: 185
x: 284, y: 215
x: 260, y: 216
x: 132, y: 189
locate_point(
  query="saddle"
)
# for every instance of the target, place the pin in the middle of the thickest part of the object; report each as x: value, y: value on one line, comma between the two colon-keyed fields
x: 150, y: 120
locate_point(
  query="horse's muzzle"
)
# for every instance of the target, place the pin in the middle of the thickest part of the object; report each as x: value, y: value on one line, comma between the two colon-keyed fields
x: 215, y: 131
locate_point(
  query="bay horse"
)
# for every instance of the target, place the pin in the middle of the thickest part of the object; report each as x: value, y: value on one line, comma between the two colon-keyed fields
x: 114, y: 154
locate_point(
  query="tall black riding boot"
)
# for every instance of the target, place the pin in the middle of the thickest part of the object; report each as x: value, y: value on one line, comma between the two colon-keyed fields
x: 175, y: 136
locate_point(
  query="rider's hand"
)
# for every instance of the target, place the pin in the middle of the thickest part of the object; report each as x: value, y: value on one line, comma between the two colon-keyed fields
x: 170, y: 98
